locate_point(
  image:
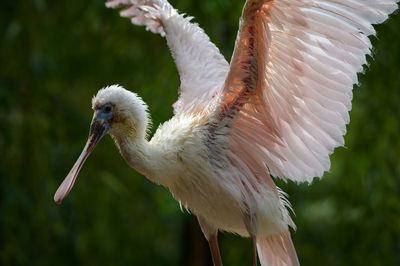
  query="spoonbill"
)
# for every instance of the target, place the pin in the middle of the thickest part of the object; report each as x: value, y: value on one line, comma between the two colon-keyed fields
x: 278, y: 109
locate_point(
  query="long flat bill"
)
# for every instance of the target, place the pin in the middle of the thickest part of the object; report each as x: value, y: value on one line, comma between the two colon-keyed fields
x: 69, y: 180
x: 97, y: 131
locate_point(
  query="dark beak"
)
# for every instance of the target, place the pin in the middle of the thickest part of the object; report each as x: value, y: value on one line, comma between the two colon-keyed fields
x: 98, y: 129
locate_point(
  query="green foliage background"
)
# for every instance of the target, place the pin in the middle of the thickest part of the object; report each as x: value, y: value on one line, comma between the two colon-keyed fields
x: 55, y: 55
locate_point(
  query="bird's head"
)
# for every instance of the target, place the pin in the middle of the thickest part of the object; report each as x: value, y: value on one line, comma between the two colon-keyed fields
x: 118, y: 112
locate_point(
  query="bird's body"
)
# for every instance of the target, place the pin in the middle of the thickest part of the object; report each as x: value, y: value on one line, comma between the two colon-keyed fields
x: 278, y: 109
x: 181, y: 157
x: 206, y: 182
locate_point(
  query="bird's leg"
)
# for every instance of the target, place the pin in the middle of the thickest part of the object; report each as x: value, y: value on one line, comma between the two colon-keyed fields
x: 211, y: 234
x: 216, y: 256
x: 251, y: 222
x: 254, y: 250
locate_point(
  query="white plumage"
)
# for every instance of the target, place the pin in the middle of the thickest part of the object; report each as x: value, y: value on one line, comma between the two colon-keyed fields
x: 278, y: 109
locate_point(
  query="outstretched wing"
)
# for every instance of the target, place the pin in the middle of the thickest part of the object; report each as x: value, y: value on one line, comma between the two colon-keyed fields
x: 201, y: 66
x: 289, y: 88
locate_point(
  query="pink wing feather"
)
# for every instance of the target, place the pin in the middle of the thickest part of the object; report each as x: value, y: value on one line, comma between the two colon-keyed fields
x: 201, y: 66
x: 289, y: 87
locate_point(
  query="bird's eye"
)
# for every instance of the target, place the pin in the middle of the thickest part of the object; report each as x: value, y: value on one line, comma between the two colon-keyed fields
x: 108, y: 108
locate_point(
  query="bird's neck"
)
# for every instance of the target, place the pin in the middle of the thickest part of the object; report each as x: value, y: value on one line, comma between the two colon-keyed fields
x: 146, y: 158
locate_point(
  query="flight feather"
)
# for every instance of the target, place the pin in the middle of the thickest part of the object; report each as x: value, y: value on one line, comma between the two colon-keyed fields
x: 289, y: 87
x: 201, y: 66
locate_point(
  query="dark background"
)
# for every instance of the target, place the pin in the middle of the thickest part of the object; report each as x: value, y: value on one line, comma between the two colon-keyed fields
x: 54, y: 57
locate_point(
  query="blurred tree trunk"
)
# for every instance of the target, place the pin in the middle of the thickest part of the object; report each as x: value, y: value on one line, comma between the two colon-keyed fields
x: 195, y: 250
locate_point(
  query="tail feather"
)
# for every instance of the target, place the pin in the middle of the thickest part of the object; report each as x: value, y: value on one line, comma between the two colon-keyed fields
x: 277, y: 250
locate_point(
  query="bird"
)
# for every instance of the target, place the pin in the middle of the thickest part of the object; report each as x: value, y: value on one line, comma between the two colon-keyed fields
x: 277, y: 110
